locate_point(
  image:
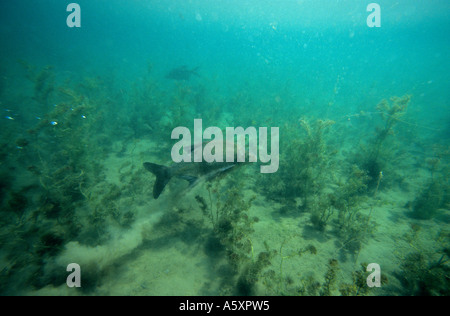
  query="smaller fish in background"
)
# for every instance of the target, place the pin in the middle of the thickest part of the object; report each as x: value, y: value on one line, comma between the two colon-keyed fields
x: 182, y: 73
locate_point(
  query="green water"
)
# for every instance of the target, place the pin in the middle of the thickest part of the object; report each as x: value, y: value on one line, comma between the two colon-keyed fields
x: 363, y: 118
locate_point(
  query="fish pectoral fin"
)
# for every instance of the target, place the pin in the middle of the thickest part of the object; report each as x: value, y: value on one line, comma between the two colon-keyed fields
x: 191, y: 179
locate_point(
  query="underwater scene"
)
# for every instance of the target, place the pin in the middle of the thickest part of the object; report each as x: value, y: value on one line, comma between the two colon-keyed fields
x: 219, y: 148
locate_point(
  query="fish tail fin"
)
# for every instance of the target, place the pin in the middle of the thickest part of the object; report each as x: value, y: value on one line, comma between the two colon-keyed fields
x: 162, y: 174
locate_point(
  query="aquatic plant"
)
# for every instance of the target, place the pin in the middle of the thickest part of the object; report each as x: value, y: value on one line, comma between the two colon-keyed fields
x: 18, y: 202
x: 63, y: 166
x: 359, y: 286
x: 275, y: 281
x: 425, y: 269
x: 390, y: 113
x: 305, y: 165
x: 147, y: 111
x: 251, y: 274
x: 50, y: 243
x: 349, y: 194
x: 435, y: 194
x: 59, y: 158
x: 321, y: 212
x: 307, y: 284
x: 429, y: 201
x: 375, y: 158
x: 71, y: 199
x: 228, y: 213
x: 423, y: 276
x: 330, y: 278
x: 351, y: 226
x: 43, y: 81
x: 413, y: 234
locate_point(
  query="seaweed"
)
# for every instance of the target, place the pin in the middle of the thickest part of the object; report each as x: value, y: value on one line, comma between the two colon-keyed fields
x: 51, y: 243
x: 276, y: 282
x: 359, y: 286
x: 431, y: 199
x: 305, y: 166
x: 251, y: 274
x: 435, y: 194
x: 352, y: 227
x: 59, y: 191
x: 375, y: 158
x: 308, y: 284
x: 43, y: 80
x: 232, y: 226
x: 18, y: 202
x: 231, y: 223
x: 422, y: 276
x: 321, y: 212
x: 330, y: 278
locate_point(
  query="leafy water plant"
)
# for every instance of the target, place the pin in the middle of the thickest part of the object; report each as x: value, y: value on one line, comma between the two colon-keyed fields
x: 429, y: 201
x: 321, y: 211
x: 351, y: 226
x: 359, y: 286
x: 43, y: 80
x: 310, y: 286
x: 251, y: 273
x: 58, y: 159
x: 232, y: 226
x: 275, y: 281
x: 435, y: 195
x: 424, y: 276
x: 228, y: 213
x: 305, y: 165
x: 330, y: 278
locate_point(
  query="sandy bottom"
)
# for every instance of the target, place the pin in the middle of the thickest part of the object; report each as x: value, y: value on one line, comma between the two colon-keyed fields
x: 150, y: 259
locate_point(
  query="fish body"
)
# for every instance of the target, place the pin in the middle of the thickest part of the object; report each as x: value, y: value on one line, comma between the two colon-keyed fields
x: 182, y: 73
x: 196, y: 172
x: 193, y: 172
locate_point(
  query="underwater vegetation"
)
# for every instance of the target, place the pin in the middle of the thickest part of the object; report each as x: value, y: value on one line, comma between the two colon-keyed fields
x: 304, y: 165
x: 433, y: 199
x: 229, y: 214
x: 72, y: 178
x: 376, y: 155
x: 59, y: 159
x: 422, y: 277
x: 359, y: 287
x: 43, y: 81
x: 423, y: 272
x: 430, y: 200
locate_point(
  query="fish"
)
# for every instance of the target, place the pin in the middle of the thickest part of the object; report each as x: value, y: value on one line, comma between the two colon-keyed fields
x: 182, y: 73
x: 193, y: 172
